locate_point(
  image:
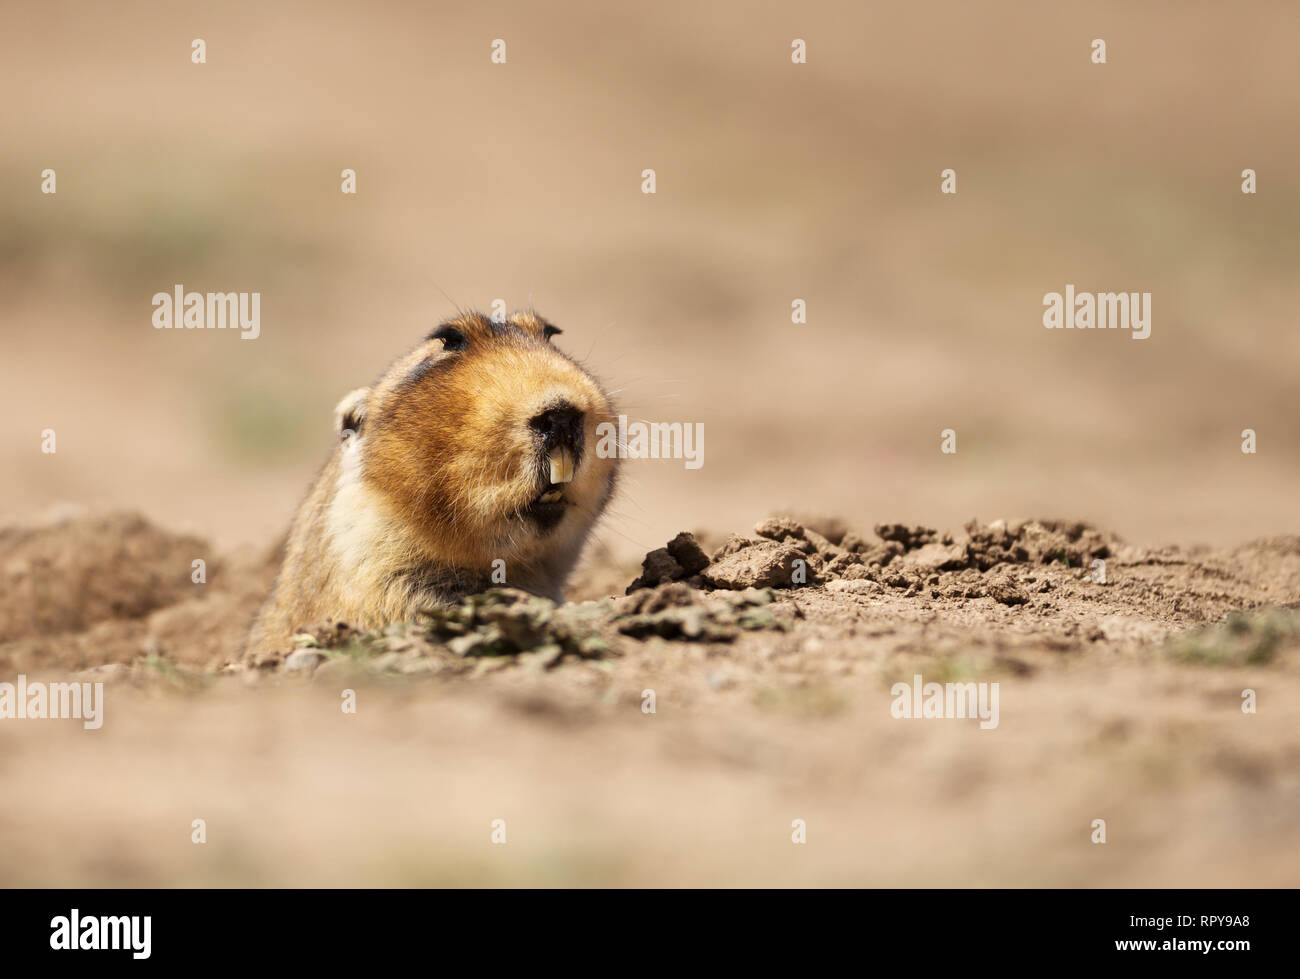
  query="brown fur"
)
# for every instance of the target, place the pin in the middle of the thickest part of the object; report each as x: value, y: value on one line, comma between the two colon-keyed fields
x: 412, y: 510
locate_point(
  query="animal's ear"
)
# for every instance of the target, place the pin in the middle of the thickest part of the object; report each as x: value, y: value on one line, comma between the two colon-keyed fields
x: 351, y: 412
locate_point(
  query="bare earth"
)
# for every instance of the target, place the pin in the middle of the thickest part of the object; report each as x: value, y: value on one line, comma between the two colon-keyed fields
x: 1118, y: 701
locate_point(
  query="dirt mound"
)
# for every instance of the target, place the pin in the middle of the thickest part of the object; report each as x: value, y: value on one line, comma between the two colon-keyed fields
x: 71, y: 574
x: 92, y: 590
x: 1000, y: 595
x: 89, y: 589
x: 1050, y: 565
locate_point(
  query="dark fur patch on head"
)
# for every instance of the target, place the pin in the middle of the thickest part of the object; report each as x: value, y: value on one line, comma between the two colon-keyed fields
x: 452, y: 337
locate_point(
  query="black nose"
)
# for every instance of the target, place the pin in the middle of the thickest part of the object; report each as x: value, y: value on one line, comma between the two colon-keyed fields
x: 559, y: 426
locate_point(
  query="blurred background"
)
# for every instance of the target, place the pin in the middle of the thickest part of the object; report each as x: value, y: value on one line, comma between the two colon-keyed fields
x: 776, y: 181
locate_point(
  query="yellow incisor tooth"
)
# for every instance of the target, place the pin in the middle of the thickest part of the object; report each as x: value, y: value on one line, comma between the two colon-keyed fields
x: 561, y: 466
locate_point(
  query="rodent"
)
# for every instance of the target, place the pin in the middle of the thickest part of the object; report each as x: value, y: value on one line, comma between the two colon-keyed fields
x: 477, y: 446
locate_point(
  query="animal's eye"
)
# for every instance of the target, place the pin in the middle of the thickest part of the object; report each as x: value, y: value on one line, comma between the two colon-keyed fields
x: 452, y: 338
x: 549, y: 331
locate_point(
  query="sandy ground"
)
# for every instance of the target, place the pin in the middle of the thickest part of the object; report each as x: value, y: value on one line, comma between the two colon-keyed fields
x: 1119, y: 701
x: 775, y: 182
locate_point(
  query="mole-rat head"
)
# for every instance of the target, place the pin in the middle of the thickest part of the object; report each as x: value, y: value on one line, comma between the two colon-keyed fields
x: 484, y: 438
